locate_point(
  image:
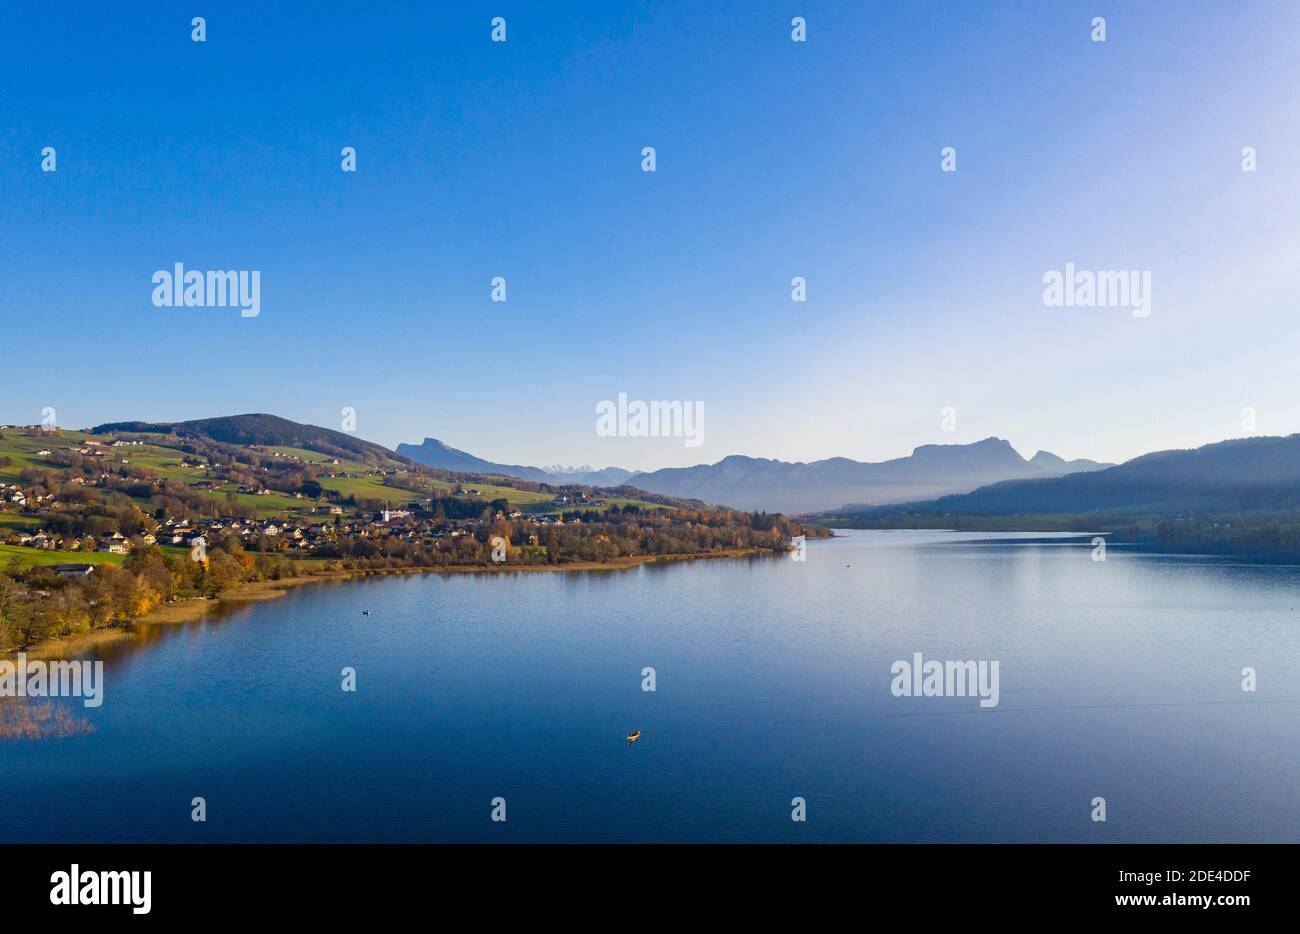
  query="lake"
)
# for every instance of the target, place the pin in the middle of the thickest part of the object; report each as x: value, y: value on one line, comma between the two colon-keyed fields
x: 1119, y: 679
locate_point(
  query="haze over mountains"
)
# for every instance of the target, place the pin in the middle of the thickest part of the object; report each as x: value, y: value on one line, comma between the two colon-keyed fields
x: 988, y: 477
x: 930, y: 470
x: 761, y: 483
x: 1240, y: 475
x: 433, y: 453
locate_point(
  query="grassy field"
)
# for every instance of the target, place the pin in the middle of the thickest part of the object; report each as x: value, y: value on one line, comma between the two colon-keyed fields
x: 9, y: 520
x: 165, y: 462
x: 306, y: 456
x: 22, y: 451
x: 489, y: 492
x: 344, y: 465
x: 368, y: 488
x: 273, y: 504
x: 34, y: 557
x: 31, y: 557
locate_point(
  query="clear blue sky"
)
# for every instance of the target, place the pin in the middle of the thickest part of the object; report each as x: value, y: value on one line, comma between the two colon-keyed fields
x: 775, y: 159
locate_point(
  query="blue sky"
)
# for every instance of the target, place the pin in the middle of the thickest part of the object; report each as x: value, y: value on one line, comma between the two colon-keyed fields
x: 775, y: 159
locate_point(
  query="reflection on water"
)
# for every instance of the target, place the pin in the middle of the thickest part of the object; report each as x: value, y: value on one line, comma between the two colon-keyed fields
x: 1119, y: 679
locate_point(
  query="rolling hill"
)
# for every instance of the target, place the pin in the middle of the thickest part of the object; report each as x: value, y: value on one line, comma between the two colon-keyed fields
x: 364, y: 470
x: 269, y: 430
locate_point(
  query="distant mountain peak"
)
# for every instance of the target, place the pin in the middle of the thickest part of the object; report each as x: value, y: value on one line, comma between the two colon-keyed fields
x: 761, y: 483
x: 434, y: 444
x: 434, y: 453
x: 987, y: 450
x: 1256, y: 474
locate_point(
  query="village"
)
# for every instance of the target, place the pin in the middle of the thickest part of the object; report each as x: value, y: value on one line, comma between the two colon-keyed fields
x: 320, y: 535
x: 320, y: 527
x: 100, y: 527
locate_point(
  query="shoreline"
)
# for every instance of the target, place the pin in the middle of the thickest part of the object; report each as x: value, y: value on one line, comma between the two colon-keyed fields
x: 195, y: 608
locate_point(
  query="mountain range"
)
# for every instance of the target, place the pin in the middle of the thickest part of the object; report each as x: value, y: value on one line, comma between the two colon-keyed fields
x: 987, y: 477
x: 760, y: 483
x: 433, y: 453
x: 1239, y: 475
x: 930, y: 470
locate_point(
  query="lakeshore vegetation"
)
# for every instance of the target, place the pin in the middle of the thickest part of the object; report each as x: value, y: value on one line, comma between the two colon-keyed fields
x: 101, y: 528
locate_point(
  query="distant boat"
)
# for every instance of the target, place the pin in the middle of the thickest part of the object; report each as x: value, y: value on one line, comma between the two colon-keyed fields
x: 633, y: 737
x: 365, y: 612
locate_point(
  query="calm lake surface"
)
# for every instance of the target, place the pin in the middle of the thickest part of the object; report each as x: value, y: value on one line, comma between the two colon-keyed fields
x: 1119, y: 679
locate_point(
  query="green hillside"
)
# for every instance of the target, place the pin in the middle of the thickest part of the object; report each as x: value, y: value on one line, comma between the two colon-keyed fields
x: 253, y: 466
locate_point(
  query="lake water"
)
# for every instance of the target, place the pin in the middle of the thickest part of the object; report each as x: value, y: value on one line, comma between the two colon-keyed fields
x: 1120, y: 679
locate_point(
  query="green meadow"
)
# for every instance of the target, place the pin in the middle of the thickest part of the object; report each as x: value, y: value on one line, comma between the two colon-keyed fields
x: 32, y: 557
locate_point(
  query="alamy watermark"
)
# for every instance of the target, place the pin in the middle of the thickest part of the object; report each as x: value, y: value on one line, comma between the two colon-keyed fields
x: 53, y: 679
x: 79, y: 886
x: 919, y: 678
x: 637, y: 419
x: 1105, y: 288
x: 213, y: 288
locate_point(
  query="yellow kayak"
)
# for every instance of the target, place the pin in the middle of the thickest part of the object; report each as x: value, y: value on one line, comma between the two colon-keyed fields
x: 633, y: 737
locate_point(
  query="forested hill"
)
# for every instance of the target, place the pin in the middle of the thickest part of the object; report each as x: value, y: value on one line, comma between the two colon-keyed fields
x: 269, y: 430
